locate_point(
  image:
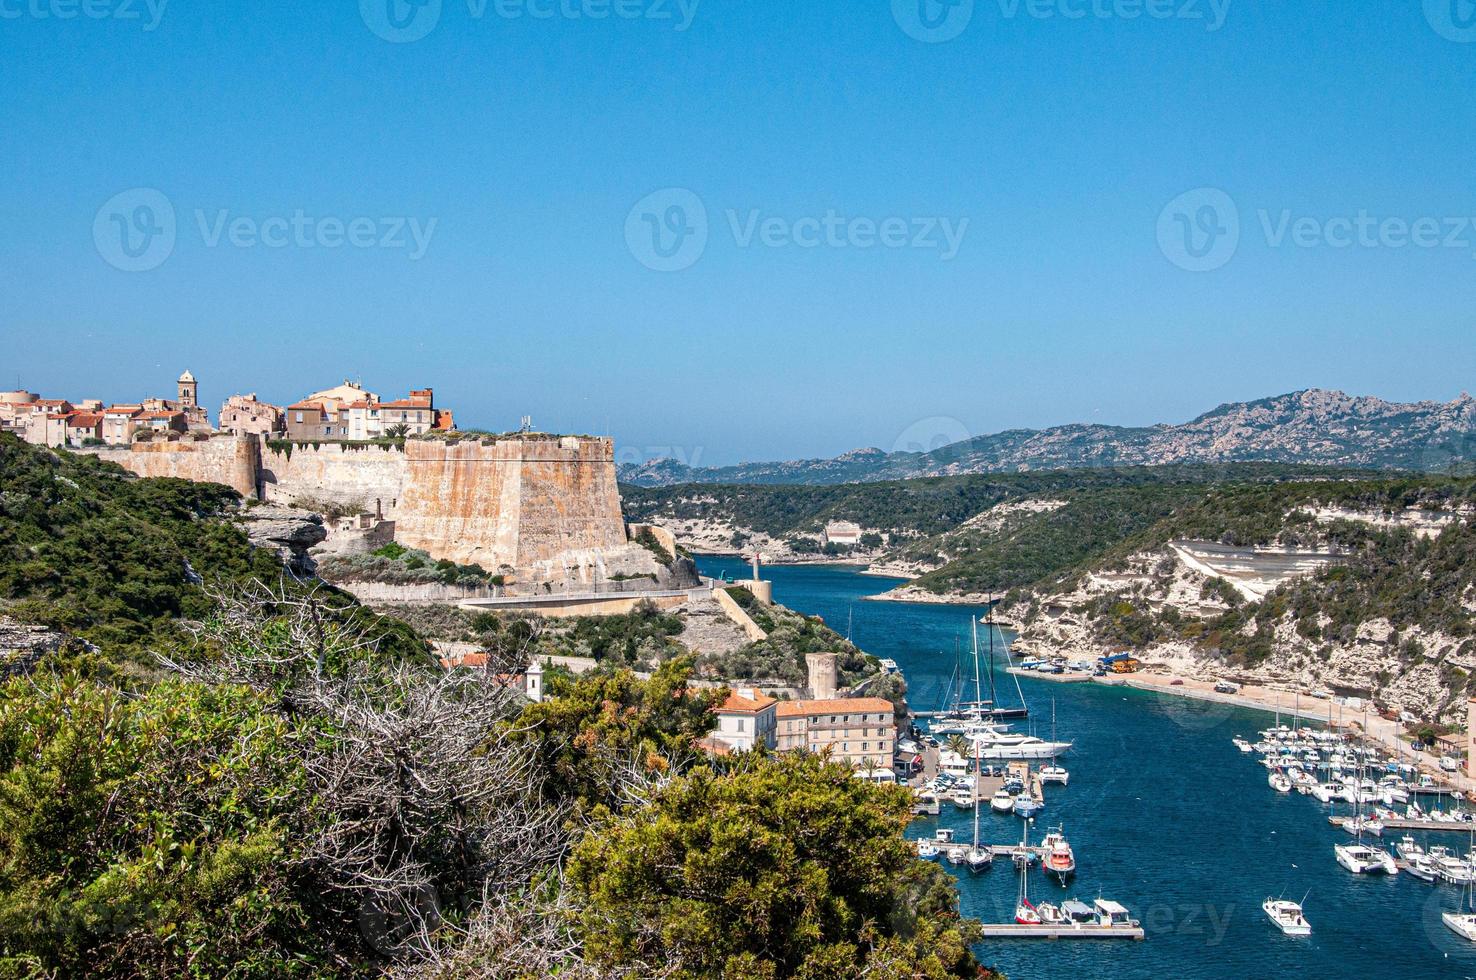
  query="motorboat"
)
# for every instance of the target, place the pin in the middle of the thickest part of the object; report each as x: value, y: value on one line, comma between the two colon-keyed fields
x: 1421, y: 867
x: 994, y: 745
x: 1361, y: 859
x: 1287, y: 916
x: 1001, y: 801
x: 1057, y: 857
x: 1408, y: 847
x: 1243, y: 745
x: 957, y: 854
x: 926, y: 849
x: 963, y: 797
x: 1028, y: 806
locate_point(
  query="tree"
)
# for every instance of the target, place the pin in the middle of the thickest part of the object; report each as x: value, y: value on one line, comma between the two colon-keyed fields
x: 787, y: 866
x: 397, y: 431
x: 605, y: 737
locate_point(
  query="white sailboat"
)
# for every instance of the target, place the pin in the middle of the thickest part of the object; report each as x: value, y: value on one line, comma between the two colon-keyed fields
x: 979, y: 858
x: 1025, y: 913
x: 1463, y: 922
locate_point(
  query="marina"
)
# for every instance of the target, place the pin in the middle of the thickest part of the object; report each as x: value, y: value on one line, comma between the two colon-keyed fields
x: 1166, y: 816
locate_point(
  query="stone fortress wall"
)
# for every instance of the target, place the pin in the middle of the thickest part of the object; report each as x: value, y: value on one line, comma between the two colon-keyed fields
x: 542, y: 503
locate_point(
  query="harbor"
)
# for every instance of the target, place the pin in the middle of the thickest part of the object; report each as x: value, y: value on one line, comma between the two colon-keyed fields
x: 1165, y: 816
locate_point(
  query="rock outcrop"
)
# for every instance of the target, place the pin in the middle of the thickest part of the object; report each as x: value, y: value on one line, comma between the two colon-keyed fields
x: 290, y: 533
x: 22, y: 646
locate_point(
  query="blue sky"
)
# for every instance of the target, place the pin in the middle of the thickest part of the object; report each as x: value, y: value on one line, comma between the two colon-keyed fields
x: 526, y: 150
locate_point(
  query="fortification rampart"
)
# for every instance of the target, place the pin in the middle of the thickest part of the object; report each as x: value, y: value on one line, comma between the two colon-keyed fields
x: 531, y: 503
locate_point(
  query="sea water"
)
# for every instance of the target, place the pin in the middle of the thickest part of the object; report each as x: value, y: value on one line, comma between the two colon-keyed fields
x: 1164, y: 814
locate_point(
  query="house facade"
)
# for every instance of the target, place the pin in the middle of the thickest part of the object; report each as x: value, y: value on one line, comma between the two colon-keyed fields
x: 746, y: 719
x: 249, y: 415
x: 854, y: 730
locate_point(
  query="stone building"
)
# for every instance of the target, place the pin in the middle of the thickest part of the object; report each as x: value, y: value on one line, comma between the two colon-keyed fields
x: 119, y: 423
x: 248, y: 415
x: 348, y: 412
x: 842, y: 534
x: 747, y: 718
x: 854, y: 730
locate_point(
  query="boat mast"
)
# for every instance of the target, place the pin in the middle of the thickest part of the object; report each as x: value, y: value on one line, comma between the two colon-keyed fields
x: 978, y: 692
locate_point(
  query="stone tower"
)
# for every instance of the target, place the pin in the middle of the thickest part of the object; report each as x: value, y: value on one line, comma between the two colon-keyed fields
x: 189, y: 391
x: 822, y: 675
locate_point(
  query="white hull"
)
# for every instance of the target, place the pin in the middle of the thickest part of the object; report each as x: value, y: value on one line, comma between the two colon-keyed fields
x: 1463, y: 924
x: 1363, y: 860
x: 1287, y: 916
x: 1022, y: 751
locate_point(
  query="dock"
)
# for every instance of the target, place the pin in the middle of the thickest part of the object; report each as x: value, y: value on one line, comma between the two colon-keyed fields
x: 1067, y: 677
x: 1014, y: 930
x: 1461, y: 827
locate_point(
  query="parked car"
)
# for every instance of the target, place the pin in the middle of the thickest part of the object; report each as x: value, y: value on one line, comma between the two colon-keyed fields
x: 1225, y: 687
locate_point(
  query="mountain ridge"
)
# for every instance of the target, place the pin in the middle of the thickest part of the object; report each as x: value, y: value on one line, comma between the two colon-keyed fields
x: 1314, y: 426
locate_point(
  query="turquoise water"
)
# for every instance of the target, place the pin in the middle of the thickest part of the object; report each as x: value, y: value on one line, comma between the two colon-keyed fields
x: 1165, y: 816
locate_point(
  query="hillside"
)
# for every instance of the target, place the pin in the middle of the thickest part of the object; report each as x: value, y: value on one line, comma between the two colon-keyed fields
x: 1314, y: 427
x: 1365, y: 588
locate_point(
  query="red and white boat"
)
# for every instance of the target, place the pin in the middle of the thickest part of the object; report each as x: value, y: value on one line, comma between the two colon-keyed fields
x: 1057, y: 857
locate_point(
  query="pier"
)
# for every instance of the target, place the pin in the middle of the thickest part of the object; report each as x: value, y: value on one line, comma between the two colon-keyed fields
x: 1014, y: 930
x: 1453, y: 826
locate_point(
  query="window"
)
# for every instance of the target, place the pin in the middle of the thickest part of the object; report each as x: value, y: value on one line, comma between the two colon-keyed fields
x: 299, y: 416
x: 740, y: 725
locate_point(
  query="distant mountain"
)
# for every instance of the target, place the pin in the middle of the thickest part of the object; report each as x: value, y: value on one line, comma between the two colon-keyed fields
x: 1314, y: 427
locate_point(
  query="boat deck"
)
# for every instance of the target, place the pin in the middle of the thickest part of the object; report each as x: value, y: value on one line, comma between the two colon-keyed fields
x: 1014, y: 930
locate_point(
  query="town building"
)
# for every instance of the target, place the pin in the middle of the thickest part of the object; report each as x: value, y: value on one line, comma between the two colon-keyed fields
x: 842, y: 534
x: 854, y: 730
x: 248, y: 415
x: 161, y: 421
x: 746, y: 719
x: 119, y: 423
x: 349, y: 412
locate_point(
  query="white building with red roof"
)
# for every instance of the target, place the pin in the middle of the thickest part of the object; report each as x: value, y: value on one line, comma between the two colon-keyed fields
x: 747, y: 718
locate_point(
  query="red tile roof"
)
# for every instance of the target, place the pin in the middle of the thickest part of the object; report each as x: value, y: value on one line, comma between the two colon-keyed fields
x: 738, y: 704
x: 835, y: 706
x: 89, y: 420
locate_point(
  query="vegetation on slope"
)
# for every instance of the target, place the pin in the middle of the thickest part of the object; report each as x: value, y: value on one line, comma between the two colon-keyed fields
x: 289, y: 793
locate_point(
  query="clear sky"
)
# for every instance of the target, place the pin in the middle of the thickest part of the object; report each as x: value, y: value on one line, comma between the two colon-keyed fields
x: 913, y: 211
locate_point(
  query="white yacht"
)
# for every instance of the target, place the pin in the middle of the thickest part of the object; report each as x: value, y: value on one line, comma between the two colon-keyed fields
x: 926, y: 849
x: 1280, y: 781
x: 1287, y: 916
x: 996, y: 745
x: 1001, y: 801
x: 1361, y: 824
x: 1463, y: 924
x: 1243, y: 745
x: 1362, y: 859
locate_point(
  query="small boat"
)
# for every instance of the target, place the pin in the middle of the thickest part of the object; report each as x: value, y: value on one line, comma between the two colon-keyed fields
x: 1054, y: 774
x: 1363, y: 825
x: 1463, y: 922
x: 926, y: 849
x: 963, y: 797
x: 957, y: 854
x: 979, y: 859
x: 1287, y: 916
x: 1057, y: 857
x: 1408, y: 848
x: 1001, y: 801
x: 1280, y: 781
x: 1421, y: 867
x: 1362, y: 859
x: 1028, y: 806
x: 1025, y: 913
x: 1243, y: 745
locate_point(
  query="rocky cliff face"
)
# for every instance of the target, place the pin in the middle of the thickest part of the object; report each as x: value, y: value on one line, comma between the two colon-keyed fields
x: 1165, y: 605
x: 22, y: 646
x: 1313, y: 427
x: 290, y: 533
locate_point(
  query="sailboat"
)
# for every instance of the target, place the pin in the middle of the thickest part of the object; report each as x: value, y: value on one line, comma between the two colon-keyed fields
x: 1463, y: 923
x: 979, y: 858
x: 960, y: 717
x: 1025, y: 913
x: 1055, y: 772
